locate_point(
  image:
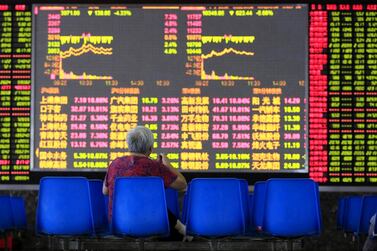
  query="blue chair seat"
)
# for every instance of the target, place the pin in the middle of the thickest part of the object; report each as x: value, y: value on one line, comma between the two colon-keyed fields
x: 352, y: 213
x: 368, y: 209
x: 292, y: 208
x: 6, y: 214
x: 100, y: 217
x: 245, y: 203
x: 184, y: 206
x: 64, y: 207
x: 215, y: 208
x: 258, y: 206
x: 139, y: 207
x: 19, y: 213
x: 340, y: 213
x: 172, y: 201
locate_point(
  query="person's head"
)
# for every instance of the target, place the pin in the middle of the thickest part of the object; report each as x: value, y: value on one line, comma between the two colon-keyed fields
x: 140, y: 140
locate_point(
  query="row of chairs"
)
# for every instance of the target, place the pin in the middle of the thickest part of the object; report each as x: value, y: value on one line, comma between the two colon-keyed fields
x: 69, y: 206
x: 278, y: 207
x: 355, y: 212
x: 12, y: 220
x: 212, y: 207
x: 12, y: 214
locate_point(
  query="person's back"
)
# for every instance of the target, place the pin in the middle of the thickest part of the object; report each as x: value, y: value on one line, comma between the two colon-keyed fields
x: 137, y: 163
x: 371, y: 241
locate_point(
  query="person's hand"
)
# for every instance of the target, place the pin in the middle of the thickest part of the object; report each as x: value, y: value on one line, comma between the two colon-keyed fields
x: 164, y: 159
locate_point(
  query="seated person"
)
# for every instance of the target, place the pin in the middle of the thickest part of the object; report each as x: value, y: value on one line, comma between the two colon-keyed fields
x: 371, y: 241
x: 138, y: 163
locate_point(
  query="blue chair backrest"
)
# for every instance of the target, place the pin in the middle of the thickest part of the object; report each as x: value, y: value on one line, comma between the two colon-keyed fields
x: 215, y: 207
x: 172, y: 201
x: 340, y: 213
x: 64, y: 206
x: 6, y: 215
x: 319, y: 208
x: 258, y: 204
x: 107, y: 206
x: 368, y: 209
x: 245, y: 202
x: 251, y: 201
x: 292, y: 208
x: 100, y: 218
x: 184, y: 207
x: 19, y: 213
x: 139, y: 207
x: 352, y: 213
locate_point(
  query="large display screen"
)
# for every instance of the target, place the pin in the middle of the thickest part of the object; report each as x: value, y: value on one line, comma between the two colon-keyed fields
x: 222, y: 88
x: 260, y: 90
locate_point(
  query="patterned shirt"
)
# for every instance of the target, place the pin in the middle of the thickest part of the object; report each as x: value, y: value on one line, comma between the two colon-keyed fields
x: 128, y: 166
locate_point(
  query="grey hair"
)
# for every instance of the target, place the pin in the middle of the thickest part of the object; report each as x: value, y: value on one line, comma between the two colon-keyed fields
x: 140, y: 139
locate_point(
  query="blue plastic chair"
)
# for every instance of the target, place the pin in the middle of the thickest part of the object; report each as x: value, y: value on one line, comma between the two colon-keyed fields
x: 139, y: 207
x: 6, y: 214
x: 64, y: 207
x: 258, y: 205
x: 352, y: 214
x: 107, y: 206
x: 100, y: 218
x: 184, y: 206
x: 172, y: 201
x: 319, y: 207
x: 368, y: 209
x: 292, y: 208
x: 215, y: 208
x: 251, y: 206
x: 245, y: 203
x: 19, y: 213
x: 340, y: 213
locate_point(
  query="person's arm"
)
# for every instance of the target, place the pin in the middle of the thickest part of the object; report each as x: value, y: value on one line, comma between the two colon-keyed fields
x: 105, y: 190
x: 180, y: 183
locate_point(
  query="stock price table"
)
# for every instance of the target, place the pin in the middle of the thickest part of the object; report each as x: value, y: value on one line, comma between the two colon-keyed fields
x: 216, y: 85
x: 343, y: 93
x: 219, y: 92
x: 15, y: 87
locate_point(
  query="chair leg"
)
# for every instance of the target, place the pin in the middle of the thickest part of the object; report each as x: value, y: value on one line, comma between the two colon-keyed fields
x: 273, y: 245
x: 211, y: 246
x: 79, y: 244
x: 290, y: 245
x: 49, y: 243
x: 141, y: 245
x: 66, y: 242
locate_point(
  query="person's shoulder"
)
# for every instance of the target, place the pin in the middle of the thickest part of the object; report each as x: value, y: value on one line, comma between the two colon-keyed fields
x: 119, y: 160
x: 149, y: 161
